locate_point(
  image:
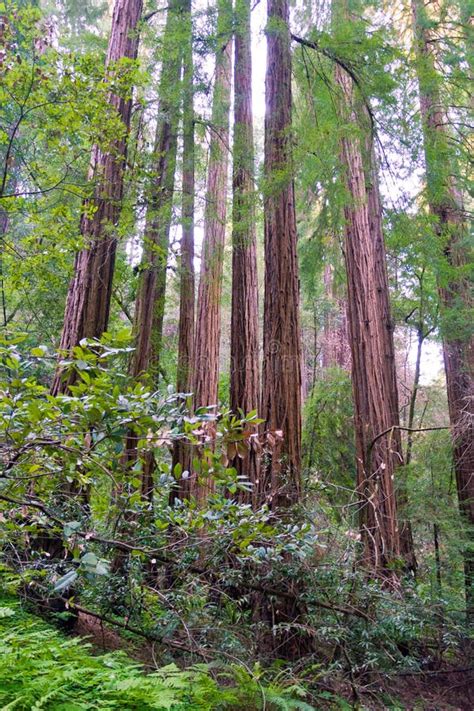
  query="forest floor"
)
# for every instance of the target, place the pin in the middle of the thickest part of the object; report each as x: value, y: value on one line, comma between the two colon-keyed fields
x: 447, y: 689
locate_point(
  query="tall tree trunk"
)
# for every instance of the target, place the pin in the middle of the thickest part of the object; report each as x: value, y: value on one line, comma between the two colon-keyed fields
x: 281, y: 374
x: 244, y: 343
x: 208, y: 322
x: 181, y: 450
x: 88, y: 300
x: 149, y: 308
x: 406, y: 534
x: 458, y: 344
x: 280, y: 478
x: 420, y: 337
x: 371, y: 337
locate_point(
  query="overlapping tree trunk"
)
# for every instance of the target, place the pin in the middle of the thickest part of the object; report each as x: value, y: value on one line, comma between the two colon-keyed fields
x: 335, y: 350
x: 149, y: 310
x: 371, y: 338
x: 445, y: 204
x: 150, y: 301
x: 208, y: 321
x: 88, y: 300
x: 280, y: 482
x: 182, y: 450
x: 244, y: 343
x: 280, y: 476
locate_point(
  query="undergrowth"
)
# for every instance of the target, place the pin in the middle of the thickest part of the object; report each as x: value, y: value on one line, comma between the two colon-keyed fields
x: 40, y: 668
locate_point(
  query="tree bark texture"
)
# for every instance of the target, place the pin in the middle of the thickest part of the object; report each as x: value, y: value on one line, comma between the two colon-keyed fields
x: 208, y: 323
x: 280, y: 483
x: 182, y: 452
x: 150, y: 302
x: 371, y: 338
x: 280, y: 477
x: 244, y: 343
x: 88, y: 300
x: 208, y: 320
x: 455, y: 293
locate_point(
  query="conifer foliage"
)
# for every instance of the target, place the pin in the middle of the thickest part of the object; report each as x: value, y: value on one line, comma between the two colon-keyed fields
x: 236, y: 356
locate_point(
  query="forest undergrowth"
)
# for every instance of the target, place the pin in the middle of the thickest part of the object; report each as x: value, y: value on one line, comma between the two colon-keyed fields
x: 249, y: 597
x: 236, y: 355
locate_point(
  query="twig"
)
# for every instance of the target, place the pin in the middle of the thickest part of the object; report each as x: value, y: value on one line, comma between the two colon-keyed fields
x: 167, y: 560
x: 405, y: 429
x: 331, y: 55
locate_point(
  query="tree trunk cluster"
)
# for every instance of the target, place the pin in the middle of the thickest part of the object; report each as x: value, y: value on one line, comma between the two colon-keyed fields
x: 89, y: 295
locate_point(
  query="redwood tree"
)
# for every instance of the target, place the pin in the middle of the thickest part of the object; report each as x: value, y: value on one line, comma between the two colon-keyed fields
x: 88, y: 300
x: 150, y: 302
x: 181, y: 451
x: 208, y: 316
x: 281, y: 373
x: 244, y: 341
x: 445, y: 203
x: 378, y: 441
x: 335, y: 350
x: 208, y: 323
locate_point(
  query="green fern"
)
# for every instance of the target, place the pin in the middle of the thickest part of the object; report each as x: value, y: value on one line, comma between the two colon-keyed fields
x: 42, y: 670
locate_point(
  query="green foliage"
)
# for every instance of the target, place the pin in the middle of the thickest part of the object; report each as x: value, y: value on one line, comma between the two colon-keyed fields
x: 213, y: 578
x: 328, y: 437
x: 414, y: 249
x: 42, y: 669
x: 54, y: 106
x: 219, y: 559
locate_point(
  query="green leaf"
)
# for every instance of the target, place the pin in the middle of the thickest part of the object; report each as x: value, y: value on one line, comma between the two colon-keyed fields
x: 71, y: 527
x: 66, y: 581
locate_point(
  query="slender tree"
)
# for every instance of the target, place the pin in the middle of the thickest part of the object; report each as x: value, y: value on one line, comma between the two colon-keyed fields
x: 281, y: 373
x: 88, y: 300
x: 8, y: 180
x: 4, y: 222
x: 208, y: 322
x: 445, y: 203
x: 150, y: 301
x: 149, y: 310
x: 244, y: 340
x: 181, y: 451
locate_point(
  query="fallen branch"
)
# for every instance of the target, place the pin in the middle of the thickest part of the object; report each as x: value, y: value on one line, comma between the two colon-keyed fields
x: 129, y: 628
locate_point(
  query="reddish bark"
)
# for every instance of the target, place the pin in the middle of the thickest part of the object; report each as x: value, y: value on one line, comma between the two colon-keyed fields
x: 280, y: 483
x: 281, y: 374
x: 371, y: 337
x: 88, y: 300
x: 445, y: 204
x: 208, y: 322
x: 244, y: 344
x: 181, y: 450
x: 150, y: 302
